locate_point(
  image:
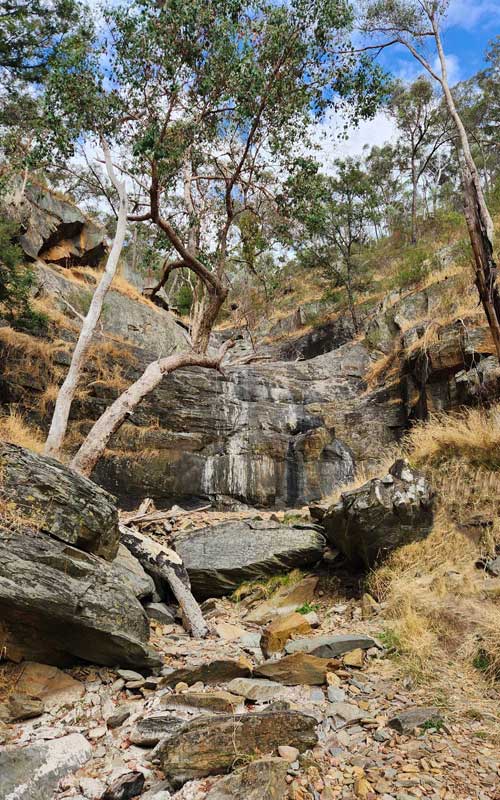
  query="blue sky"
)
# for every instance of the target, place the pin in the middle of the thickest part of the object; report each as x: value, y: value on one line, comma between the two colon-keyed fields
x: 470, y: 26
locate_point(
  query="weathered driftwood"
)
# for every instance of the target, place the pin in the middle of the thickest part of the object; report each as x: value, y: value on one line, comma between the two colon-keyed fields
x: 165, y: 563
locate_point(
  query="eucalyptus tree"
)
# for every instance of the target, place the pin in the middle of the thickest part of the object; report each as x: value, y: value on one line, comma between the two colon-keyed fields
x: 337, y: 221
x: 423, y: 128
x: 210, y: 104
x: 417, y: 25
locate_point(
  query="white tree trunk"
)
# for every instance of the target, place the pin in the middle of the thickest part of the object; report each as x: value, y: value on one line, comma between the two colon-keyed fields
x: 168, y: 565
x: 67, y: 391
x: 108, y: 423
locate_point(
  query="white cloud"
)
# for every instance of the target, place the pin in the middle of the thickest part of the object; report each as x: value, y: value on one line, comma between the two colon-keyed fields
x: 469, y: 14
x: 452, y: 66
x: 328, y: 136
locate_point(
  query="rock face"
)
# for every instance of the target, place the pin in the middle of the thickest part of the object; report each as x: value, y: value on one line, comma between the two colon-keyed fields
x: 210, y: 745
x: 284, y: 433
x: 57, y: 602
x: 32, y: 773
x: 56, y: 230
x: 140, y: 323
x: 58, y: 501
x: 384, y: 513
x: 220, y: 557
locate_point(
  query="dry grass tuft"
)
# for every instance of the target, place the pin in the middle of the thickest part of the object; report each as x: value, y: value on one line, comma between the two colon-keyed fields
x: 15, y: 429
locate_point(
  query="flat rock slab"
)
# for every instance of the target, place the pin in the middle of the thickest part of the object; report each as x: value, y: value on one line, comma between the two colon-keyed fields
x: 280, y: 630
x: 259, y: 690
x: 331, y: 646
x: 150, y: 730
x: 57, y: 602
x: 220, y: 557
x: 60, y: 502
x: 264, y: 779
x: 218, y: 671
x: 297, y: 669
x: 284, y: 601
x: 216, y: 702
x: 33, y: 773
x: 50, y: 684
x: 140, y: 582
x: 212, y: 745
x: 412, y: 718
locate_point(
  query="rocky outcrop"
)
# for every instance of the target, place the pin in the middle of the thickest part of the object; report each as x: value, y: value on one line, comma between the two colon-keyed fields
x: 54, y: 228
x: 58, y: 603
x: 331, y: 646
x: 57, y: 501
x: 211, y: 745
x: 32, y: 773
x: 263, y: 779
x: 381, y: 515
x: 136, y: 321
x: 220, y: 557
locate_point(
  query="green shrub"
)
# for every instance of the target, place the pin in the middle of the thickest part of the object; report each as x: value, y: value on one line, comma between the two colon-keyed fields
x: 413, y: 267
x: 16, y: 281
x: 184, y: 299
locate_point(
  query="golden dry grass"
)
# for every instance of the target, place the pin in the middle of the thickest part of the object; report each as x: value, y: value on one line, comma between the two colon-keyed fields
x: 14, y: 428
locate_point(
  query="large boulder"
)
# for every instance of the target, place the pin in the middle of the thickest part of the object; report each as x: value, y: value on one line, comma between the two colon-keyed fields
x: 381, y: 515
x: 213, y: 745
x: 59, y: 502
x: 58, y: 603
x: 218, y: 558
x: 33, y: 773
x: 55, y: 229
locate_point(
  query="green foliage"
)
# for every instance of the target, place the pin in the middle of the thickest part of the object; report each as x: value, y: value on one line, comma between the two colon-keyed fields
x: 481, y: 661
x: 413, y: 267
x: 184, y: 298
x: 436, y: 724
x: 307, y: 608
x: 391, y: 641
x: 16, y: 281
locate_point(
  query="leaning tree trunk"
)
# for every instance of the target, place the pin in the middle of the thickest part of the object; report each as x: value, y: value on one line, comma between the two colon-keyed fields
x: 167, y: 564
x: 115, y: 415
x: 478, y: 218
x: 67, y: 391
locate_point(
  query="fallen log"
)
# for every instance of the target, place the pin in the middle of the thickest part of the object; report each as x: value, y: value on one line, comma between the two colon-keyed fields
x: 166, y: 564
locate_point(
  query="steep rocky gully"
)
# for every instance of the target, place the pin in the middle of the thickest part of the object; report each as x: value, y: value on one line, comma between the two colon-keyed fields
x: 293, y: 693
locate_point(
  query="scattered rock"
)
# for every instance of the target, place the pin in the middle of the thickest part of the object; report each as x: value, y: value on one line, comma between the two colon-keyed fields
x: 346, y: 711
x: 329, y: 646
x: 118, y: 717
x: 92, y: 788
x: 220, y: 557
x: 284, y: 601
x: 370, y: 521
x: 355, y: 658
x: 33, y: 773
x: 296, y: 669
x: 412, y: 718
x: 160, y: 791
x: 130, y: 675
x: 290, y: 754
x: 230, y: 633
x: 263, y: 779
x: 217, y: 671
x: 140, y: 582
x: 369, y: 606
x: 60, y: 502
x: 280, y: 630
x: 57, y: 602
x: 218, y: 702
x: 257, y: 689
x: 149, y: 731
x: 125, y: 787
x: 211, y: 745
x: 160, y: 612
x: 493, y: 567
x: 21, y: 706
x: 50, y: 684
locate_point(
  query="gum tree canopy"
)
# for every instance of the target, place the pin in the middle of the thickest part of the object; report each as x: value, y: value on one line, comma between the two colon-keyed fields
x: 208, y: 105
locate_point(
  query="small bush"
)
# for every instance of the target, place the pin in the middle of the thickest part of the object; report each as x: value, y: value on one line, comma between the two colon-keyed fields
x: 413, y: 267
x: 184, y: 299
x: 16, y: 281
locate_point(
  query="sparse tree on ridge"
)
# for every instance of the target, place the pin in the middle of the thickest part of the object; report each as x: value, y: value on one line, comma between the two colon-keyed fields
x: 416, y: 24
